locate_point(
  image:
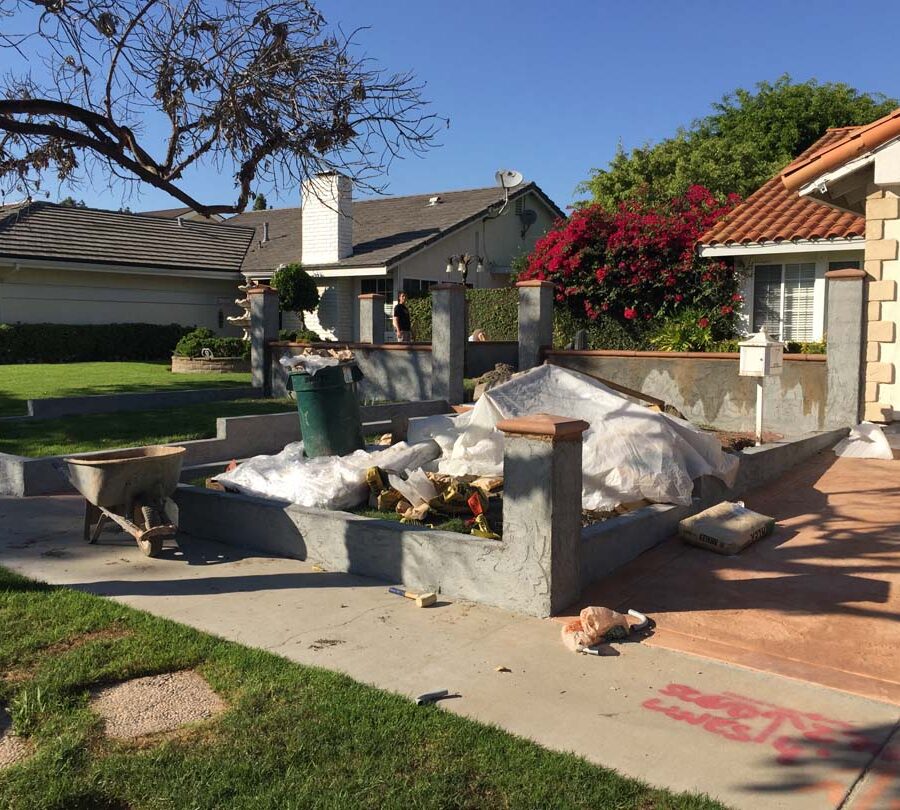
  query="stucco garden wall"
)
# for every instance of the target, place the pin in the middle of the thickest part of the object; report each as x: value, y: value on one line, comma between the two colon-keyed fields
x: 708, y: 390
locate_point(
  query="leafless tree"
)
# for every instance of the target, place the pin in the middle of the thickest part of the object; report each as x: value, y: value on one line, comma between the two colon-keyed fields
x: 146, y: 89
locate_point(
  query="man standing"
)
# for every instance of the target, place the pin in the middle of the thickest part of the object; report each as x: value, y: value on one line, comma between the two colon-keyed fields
x: 402, y: 322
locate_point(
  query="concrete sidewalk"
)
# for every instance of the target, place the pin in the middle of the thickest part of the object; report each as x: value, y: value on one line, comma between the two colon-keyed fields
x: 675, y: 720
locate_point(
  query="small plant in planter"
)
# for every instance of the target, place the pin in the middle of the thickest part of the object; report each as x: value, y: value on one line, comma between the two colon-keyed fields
x: 688, y: 331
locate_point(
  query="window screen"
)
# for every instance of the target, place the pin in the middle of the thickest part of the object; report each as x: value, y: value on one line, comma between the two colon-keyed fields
x: 767, y: 299
x: 799, y: 280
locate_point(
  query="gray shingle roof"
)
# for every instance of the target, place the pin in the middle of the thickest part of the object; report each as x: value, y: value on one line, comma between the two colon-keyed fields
x: 42, y: 230
x: 384, y: 229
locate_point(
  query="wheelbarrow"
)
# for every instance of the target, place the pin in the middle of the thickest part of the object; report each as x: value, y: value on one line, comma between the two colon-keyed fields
x: 131, y: 488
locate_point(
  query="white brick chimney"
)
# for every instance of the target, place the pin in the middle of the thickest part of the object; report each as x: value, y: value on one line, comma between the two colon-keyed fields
x: 327, y: 218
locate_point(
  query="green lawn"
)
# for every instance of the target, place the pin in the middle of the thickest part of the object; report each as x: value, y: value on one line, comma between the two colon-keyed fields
x: 78, y: 434
x: 42, y: 380
x: 292, y: 737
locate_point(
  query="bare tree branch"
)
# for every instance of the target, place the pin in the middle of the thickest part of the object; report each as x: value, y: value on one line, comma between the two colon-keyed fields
x: 261, y: 86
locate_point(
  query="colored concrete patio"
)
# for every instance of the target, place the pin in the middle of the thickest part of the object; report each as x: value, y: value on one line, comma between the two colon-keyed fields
x: 819, y: 600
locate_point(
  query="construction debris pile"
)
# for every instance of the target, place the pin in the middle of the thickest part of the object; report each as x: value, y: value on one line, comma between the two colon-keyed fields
x: 311, y: 360
x: 630, y: 452
x: 453, y: 465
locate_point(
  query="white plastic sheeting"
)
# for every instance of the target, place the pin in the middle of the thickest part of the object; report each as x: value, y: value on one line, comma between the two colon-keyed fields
x: 866, y: 440
x: 327, y: 482
x: 629, y: 453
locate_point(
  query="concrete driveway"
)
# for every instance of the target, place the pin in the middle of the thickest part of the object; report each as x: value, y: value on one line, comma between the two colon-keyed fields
x: 819, y: 600
x: 752, y: 739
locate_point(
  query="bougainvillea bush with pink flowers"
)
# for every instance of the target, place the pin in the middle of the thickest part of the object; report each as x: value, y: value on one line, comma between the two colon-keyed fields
x: 638, y: 264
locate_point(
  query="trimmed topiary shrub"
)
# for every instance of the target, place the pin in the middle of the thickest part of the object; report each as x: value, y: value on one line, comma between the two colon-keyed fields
x: 80, y: 343
x: 193, y: 343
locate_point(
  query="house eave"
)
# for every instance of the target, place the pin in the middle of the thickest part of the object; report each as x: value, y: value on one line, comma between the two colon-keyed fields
x: 769, y: 248
x: 23, y: 262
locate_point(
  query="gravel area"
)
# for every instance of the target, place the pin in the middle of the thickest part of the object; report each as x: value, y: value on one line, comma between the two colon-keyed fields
x: 12, y: 748
x: 157, y: 703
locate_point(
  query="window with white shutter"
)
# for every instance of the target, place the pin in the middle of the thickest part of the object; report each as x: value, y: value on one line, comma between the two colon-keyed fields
x: 783, y: 300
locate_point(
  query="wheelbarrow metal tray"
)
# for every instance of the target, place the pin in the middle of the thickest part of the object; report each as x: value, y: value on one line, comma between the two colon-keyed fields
x: 118, y: 477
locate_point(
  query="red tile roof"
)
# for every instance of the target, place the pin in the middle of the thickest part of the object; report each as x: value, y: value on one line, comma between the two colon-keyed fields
x: 774, y: 214
x: 854, y: 142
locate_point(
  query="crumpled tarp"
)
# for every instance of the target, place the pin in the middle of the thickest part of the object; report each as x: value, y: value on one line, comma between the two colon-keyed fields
x: 326, y: 482
x: 630, y: 452
x: 866, y: 440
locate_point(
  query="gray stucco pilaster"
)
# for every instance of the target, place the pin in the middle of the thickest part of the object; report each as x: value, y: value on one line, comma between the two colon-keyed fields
x: 535, y: 321
x: 263, y: 328
x: 846, y: 347
x: 371, y: 318
x: 448, y: 341
x: 542, y: 507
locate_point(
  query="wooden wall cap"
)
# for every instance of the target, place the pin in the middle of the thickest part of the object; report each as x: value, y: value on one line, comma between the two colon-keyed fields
x: 261, y: 289
x: 366, y: 296
x: 462, y: 408
x: 846, y: 273
x: 544, y: 424
x: 534, y: 283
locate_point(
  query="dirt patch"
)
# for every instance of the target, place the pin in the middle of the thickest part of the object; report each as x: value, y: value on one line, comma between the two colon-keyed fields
x: 736, y: 440
x: 106, y: 634
x: 143, y: 706
x: 13, y: 749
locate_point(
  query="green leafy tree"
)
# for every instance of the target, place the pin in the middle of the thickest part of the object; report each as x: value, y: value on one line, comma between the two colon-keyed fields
x: 749, y: 137
x: 297, y: 291
x: 260, y: 203
x: 71, y: 202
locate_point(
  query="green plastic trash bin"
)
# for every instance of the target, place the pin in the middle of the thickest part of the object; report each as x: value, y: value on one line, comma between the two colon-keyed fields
x: 329, y: 410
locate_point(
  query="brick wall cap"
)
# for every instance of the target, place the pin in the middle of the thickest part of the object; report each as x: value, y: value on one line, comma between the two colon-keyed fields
x: 262, y: 289
x: 534, y: 283
x: 366, y: 296
x: 544, y: 424
x: 462, y: 408
x: 845, y: 273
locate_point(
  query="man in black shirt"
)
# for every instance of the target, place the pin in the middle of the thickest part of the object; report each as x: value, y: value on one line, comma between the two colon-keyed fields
x: 402, y: 323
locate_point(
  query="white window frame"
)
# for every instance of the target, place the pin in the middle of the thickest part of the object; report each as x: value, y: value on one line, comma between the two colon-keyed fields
x: 782, y: 296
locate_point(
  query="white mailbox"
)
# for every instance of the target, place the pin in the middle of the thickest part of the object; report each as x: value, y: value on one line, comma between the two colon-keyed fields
x: 761, y: 356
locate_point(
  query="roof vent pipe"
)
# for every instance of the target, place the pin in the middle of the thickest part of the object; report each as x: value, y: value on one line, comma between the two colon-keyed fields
x: 180, y: 222
x: 265, y: 235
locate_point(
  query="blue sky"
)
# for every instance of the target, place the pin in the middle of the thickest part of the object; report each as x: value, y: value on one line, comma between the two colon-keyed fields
x: 550, y: 88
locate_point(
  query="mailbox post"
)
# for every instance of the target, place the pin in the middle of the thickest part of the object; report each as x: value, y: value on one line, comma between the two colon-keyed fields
x: 761, y: 357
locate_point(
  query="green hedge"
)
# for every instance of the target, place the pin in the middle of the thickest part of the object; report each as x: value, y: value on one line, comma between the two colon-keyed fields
x: 77, y: 343
x: 299, y: 336
x: 497, y: 312
x: 193, y: 343
x: 494, y: 311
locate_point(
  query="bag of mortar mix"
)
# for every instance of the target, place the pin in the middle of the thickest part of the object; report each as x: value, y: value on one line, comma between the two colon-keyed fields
x: 726, y: 528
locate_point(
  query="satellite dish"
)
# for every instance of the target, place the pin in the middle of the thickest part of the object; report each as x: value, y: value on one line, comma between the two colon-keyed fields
x: 508, y: 178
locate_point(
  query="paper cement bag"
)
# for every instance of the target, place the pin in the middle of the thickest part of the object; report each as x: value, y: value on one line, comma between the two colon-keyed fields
x: 726, y: 528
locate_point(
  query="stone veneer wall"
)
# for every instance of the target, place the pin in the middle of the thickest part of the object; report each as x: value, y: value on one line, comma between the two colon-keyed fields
x: 882, y: 390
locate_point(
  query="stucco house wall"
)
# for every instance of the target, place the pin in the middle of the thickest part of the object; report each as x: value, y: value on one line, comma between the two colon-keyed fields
x: 91, y: 295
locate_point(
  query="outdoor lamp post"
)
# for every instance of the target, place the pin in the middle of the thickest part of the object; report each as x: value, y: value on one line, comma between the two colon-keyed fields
x: 461, y: 264
x: 761, y: 357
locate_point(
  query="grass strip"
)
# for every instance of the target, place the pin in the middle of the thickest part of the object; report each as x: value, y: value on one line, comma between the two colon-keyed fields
x: 19, y: 383
x: 293, y: 736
